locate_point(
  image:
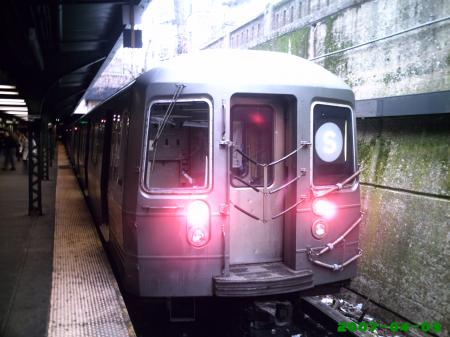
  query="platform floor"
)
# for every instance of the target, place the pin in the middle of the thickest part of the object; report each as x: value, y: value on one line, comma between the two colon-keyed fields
x: 85, y: 299
x: 55, y: 278
x: 26, y: 255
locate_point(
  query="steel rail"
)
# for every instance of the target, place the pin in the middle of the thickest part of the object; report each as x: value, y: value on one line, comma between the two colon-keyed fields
x: 326, y: 315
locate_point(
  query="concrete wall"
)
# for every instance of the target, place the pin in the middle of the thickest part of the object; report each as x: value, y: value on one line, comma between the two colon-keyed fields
x: 406, y: 195
x: 412, y: 62
x: 406, y: 181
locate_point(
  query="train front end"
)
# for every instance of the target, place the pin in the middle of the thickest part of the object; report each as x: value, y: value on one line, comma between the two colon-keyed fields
x: 294, y: 196
x: 248, y: 179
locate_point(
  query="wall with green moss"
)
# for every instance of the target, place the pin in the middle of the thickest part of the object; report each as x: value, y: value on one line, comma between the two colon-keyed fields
x: 408, y: 63
x: 406, y: 197
x: 416, y: 61
x: 295, y: 43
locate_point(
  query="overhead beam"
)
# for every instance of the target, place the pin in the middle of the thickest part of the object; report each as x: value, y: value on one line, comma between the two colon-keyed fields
x: 93, y: 2
x: 71, y: 96
x: 407, y: 105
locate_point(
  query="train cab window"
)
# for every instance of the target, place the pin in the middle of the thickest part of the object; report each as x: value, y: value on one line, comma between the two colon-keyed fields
x: 333, y: 158
x: 252, y: 133
x: 178, y: 146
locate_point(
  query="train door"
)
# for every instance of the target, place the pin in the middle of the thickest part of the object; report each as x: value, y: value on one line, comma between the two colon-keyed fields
x: 257, y: 132
x: 119, y: 137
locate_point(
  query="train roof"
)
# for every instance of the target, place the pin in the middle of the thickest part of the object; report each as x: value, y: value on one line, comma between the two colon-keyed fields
x: 228, y: 66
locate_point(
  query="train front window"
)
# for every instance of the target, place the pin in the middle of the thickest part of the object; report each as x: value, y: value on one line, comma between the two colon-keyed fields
x: 333, y: 159
x: 252, y: 134
x: 178, y: 146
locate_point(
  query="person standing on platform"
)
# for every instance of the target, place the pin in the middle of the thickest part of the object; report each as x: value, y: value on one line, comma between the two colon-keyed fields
x: 10, y: 145
x: 2, y: 141
x: 25, y: 151
x: 19, y: 138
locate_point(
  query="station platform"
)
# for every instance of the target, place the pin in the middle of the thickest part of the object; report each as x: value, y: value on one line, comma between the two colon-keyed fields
x: 26, y: 254
x: 55, y: 276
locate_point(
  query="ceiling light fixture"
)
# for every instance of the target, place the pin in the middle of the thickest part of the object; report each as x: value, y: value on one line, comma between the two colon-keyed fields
x: 9, y: 92
x: 13, y: 108
x: 4, y: 86
x: 11, y: 102
x: 17, y: 113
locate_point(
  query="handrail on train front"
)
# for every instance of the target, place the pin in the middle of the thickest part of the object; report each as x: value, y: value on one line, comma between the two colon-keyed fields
x: 339, y: 186
x: 313, y: 253
x: 243, y: 154
x: 266, y: 192
x: 265, y: 166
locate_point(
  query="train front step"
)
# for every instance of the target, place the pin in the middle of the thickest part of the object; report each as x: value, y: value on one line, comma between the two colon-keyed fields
x: 262, y: 279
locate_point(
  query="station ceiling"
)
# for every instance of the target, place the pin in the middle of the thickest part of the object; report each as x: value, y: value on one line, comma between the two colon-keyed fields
x: 51, y: 50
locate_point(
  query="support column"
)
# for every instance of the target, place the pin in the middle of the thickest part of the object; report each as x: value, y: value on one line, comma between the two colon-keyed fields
x: 34, y: 168
x: 45, y: 140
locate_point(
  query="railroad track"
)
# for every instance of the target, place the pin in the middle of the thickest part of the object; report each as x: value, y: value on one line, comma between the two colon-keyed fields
x: 327, y: 316
x: 305, y: 317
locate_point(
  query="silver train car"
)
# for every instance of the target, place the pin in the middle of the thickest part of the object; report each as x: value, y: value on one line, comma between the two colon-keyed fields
x: 225, y: 173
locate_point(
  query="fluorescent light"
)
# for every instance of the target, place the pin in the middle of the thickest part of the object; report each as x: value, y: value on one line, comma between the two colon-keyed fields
x: 13, y: 108
x: 12, y: 112
x: 18, y: 113
x: 9, y: 92
x: 21, y: 100
x: 12, y: 102
x: 4, y: 86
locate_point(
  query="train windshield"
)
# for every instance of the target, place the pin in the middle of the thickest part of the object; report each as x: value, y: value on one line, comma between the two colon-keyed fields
x: 333, y: 159
x: 178, y: 146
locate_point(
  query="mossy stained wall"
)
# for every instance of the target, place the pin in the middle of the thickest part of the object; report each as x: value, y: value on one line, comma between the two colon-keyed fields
x: 406, y: 197
x: 412, y: 62
x: 295, y: 43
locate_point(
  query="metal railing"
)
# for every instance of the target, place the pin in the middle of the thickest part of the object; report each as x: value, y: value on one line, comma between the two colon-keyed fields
x: 265, y: 189
x: 313, y: 253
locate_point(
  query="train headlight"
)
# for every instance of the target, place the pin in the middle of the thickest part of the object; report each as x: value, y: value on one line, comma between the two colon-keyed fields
x: 328, y: 142
x: 319, y: 229
x: 198, y: 219
x: 324, y: 208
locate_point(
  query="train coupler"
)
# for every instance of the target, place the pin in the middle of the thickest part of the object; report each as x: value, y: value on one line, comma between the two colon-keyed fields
x: 181, y: 309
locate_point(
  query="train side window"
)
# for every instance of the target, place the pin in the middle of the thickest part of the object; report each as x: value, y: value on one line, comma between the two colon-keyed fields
x: 251, y: 132
x: 178, y: 146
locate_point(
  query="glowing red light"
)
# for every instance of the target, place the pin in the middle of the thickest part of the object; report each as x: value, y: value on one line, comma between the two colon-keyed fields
x: 198, y: 223
x: 256, y: 118
x: 198, y: 213
x: 324, y: 208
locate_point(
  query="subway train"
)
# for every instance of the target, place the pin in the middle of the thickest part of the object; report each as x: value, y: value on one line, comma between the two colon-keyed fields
x: 225, y: 173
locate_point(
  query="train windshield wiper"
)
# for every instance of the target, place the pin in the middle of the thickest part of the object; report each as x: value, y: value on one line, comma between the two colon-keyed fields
x: 168, y: 112
x: 165, y: 119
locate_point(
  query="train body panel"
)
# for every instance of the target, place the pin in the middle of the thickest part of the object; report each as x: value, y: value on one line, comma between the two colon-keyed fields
x: 210, y: 173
